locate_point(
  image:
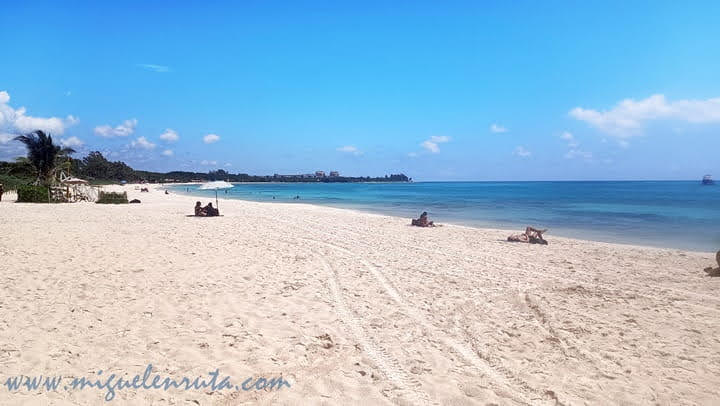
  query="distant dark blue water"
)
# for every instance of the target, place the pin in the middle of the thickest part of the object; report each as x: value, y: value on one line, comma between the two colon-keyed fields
x: 672, y: 214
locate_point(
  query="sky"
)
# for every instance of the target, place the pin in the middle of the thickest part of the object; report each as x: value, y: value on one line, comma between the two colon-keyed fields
x: 476, y: 90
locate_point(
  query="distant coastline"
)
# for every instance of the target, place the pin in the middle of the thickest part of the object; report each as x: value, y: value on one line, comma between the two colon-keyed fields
x: 97, y: 169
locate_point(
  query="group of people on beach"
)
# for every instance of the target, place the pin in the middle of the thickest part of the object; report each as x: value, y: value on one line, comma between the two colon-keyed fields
x: 531, y: 235
x: 207, y: 211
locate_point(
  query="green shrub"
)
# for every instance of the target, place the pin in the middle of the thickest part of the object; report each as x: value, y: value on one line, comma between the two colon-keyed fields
x: 112, y: 198
x: 32, y: 194
x: 11, y: 182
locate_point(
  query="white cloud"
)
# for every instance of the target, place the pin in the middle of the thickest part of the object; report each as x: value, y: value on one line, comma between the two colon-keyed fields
x: 15, y: 121
x: 576, y: 153
x: 125, y: 129
x: 167, y: 152
x: 349, y: 149
x: 154, y: 68
x: 71, y: 142
x: 412, y: 154
x: 521, y: 152
x: 573, y: 150
x: 496, y: 128
x: 432, y: 143
x: 143, y: 143
x: 52, y: 125
x: 628, y: 117
x: 572, y: 143
x: 211, y: 138
x: 228, y: 164
x: 169, y: 135
x: 206, y: 163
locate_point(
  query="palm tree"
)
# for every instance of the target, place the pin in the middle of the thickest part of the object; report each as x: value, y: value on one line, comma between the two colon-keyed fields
x: 43, y: 154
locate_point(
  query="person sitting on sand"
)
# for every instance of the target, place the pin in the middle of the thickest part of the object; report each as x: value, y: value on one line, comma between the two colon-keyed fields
x: 531, y: 236
x: 210, y: 210
x: 199, y: 210
x: 2, y: 190
x: 422, y: 221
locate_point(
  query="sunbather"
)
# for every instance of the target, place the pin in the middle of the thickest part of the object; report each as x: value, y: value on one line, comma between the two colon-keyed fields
x: 531, y: 236
x: 422, y: 221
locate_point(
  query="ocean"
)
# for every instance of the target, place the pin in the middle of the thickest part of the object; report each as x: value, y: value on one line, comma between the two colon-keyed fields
x: 669, y: 214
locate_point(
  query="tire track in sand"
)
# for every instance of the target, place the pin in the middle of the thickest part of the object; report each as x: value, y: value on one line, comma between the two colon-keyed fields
x: 506, y: 381
x: 389, y: 366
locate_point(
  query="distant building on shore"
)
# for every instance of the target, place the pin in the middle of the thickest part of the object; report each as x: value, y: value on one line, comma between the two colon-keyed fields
x: 320, y: 174
x: 334, y: 174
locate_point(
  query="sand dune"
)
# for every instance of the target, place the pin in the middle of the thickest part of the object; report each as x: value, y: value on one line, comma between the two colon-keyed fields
x: 350, y: 308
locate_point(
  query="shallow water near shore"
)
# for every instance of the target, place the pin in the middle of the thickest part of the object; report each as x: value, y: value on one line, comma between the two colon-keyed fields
x: 669, y: 214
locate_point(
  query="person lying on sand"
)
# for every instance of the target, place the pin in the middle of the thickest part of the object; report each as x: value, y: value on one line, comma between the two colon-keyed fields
x: 530, y: 236
x: 714, y: 271
x: 210, y: 210
x: 199, y: 210
x: 422, y: 221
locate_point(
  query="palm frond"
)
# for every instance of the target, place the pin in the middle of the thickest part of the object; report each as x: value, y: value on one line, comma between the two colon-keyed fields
x: 43, y: 153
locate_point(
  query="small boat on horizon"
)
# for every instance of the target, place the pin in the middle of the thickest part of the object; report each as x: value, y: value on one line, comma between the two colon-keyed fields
x: 707, y: 180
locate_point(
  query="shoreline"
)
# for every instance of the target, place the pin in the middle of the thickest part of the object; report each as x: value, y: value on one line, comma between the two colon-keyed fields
x: 566, y: 233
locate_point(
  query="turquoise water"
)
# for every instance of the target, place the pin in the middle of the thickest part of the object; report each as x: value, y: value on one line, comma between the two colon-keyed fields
x: 673, y: 214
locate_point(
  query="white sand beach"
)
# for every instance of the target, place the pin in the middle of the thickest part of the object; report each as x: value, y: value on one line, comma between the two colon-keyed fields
x: 350, y: 308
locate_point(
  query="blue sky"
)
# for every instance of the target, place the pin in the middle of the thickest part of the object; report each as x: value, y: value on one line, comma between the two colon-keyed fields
x: 437, y: 90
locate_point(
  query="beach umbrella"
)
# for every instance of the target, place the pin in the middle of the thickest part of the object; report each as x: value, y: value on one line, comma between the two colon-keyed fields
x: 218, y: 184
